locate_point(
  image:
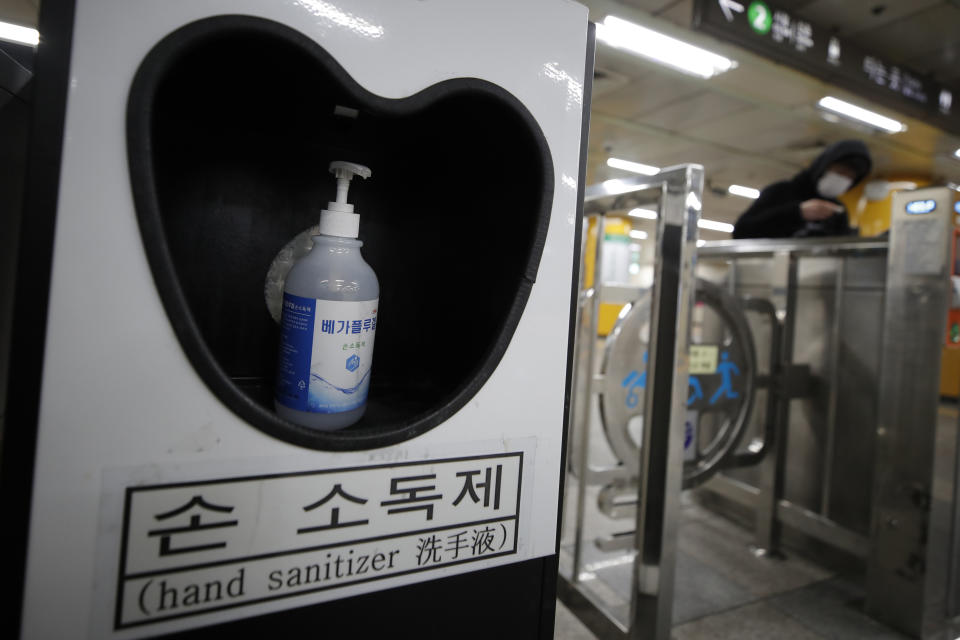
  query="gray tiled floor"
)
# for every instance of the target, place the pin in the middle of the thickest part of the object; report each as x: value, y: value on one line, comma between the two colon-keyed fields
x: 758, y: 621
x: 724, y: 592
x: 568, y: 627
x: 726, y: 548
x: 833, y: 608
x: 701, y: 590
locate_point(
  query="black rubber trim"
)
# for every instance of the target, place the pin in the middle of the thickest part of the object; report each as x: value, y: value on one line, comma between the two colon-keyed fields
x: 489, y: 604
x: 13, y: 75
x: 24, y: 55
x: 548, y: 596
x: 139, y: 148
x: 31, y: 302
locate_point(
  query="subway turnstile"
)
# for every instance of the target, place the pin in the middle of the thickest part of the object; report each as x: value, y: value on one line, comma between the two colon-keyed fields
x: 796, y: 393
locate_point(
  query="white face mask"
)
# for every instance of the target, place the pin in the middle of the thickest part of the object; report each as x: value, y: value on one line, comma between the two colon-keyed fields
x: 832, y: 184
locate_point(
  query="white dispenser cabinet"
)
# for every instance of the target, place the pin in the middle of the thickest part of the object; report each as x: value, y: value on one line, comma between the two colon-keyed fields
x: 165, y: 495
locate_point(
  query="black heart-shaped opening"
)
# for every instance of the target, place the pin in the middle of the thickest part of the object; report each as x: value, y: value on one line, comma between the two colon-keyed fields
x: 231, y: 123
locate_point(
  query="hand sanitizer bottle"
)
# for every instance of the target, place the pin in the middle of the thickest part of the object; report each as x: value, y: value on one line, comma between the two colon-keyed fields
x: 328, y: 321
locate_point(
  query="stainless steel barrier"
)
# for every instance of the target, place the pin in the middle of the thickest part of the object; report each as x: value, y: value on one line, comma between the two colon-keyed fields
x: 647, y: 614
x: 815, y: 287
x: 843, y: 444
x: 914, y: 530
x: 862, y: 460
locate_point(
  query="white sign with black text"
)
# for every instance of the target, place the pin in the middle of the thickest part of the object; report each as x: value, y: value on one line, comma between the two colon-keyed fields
x: 186, y: 550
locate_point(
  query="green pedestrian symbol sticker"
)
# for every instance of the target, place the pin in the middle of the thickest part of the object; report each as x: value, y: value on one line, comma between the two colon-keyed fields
x: 760, y: 17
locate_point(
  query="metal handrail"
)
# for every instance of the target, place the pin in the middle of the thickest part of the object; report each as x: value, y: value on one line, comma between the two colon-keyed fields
x: 834, y: 246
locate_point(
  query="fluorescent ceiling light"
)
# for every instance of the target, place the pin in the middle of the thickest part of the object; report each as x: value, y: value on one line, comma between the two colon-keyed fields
x: 662, y: 48
x: 616, y: 186
x: 16, y: 33
x: 636, y: 167
x: 714, y: 225
x: 703, y: 223
x: 863, y: 115
x: 649, y: 214
x: 956, y: 154
x: 744, y: 192
x: 639, y: 235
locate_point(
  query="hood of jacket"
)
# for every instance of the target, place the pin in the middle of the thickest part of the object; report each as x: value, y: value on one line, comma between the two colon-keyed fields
x: 851, y: 152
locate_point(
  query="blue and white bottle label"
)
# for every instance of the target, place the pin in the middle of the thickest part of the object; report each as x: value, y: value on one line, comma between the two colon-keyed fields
x: 326, y: 349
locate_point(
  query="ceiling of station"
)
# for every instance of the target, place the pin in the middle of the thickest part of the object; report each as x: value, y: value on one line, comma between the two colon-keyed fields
x: 759, y: 123
x: 21, y: 12
x: 921, y: 34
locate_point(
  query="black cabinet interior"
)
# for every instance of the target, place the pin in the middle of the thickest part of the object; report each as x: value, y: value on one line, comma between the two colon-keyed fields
x: 232, y: 123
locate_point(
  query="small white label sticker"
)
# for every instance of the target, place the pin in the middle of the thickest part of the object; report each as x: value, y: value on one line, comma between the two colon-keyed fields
x: 703, y: 359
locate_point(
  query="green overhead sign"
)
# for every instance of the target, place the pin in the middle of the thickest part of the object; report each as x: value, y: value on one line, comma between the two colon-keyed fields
x: 760, y: 17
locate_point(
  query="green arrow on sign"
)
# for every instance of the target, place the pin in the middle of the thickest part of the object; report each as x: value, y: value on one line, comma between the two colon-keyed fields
x: 760, y: 17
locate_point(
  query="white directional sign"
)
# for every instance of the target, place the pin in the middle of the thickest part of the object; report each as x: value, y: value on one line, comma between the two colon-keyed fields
x: 729, y: 7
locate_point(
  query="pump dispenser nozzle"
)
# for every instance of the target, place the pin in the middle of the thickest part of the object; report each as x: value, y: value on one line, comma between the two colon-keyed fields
x: 338, y: 219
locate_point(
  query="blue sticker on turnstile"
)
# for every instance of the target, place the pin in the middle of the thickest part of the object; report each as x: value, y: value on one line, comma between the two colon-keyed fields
x: 697, y: 390
x: 916, y: 207
x: 727, y: 369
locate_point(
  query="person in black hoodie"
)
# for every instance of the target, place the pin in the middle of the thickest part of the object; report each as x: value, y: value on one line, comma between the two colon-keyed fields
x: 807, y: 205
